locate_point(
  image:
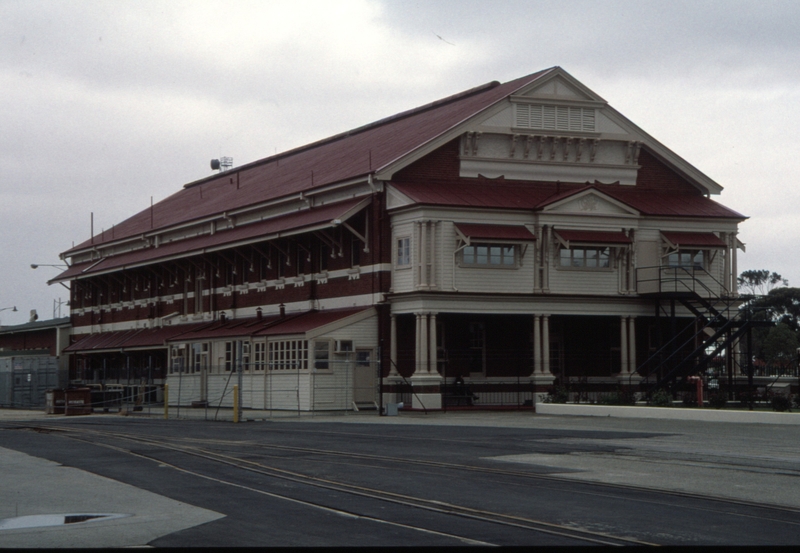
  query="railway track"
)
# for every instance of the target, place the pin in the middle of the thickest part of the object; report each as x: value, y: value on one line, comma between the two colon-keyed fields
x: 239, y: 455
x: 189, y: 447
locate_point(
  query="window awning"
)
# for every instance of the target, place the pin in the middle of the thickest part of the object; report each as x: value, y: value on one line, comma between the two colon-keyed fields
x: 688, y: 240
x: 591, y: 237
x: 470, y: 232
x: 307, y: 220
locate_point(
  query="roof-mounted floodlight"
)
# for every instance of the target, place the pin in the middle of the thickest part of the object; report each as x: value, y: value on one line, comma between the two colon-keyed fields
x: 222, y: 164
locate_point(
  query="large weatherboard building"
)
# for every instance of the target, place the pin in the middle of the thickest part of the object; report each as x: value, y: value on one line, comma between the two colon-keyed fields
x: 512, y: 235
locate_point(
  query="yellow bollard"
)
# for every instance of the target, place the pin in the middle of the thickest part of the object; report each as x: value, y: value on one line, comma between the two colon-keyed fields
x: 166, y: 401
x: 235, y: 403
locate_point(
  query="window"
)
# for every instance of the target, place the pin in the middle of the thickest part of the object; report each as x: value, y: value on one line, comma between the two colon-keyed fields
x: 587, y: 258
x: 490, y: 255
x: 246, y: 355
x: 178, y: 359
x: 477, y: 335
x: 686, y: 258
x: 403, y: 251
x: 200, y: 357
x: 321, y: 355
x: 363, y: 358
x: 288, y: 355
x: 259, y: 355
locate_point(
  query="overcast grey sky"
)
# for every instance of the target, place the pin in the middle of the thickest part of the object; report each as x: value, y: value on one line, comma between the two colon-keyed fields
x: 107, y: 103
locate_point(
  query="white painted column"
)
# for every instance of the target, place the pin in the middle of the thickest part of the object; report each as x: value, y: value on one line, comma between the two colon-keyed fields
x: 734, y: 265
x: 417, y: 341
x: 623, y: 345
x: 632, y: 344
x: 432, y: 275
x: 393, y: 346
x: 432, y: 345
x: 423, y: 345
x: 546, y: 344
x: 537, y: 344
x: 423, y: 257
x: 726, y: 264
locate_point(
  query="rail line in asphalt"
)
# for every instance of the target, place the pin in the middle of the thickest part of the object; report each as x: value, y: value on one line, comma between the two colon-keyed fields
x: 101, y: 437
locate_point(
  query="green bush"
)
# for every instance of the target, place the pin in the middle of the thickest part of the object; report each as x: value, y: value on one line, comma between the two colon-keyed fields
x: 718, y: 400
x: 797, y: 401
x: 781, y: 403
x: 557, y: 394
x: 617, y: 398
x: 660, y: 398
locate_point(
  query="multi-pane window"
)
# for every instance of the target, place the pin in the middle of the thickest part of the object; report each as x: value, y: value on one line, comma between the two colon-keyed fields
x: 259, y: 356
x: 288, y: 355
x: 686, y: 259
x: 589, y: 258
x: 322, y: 355
x: 477, y: 335
x: 491, y: 255
x: 403, y: 251
x: 200, y: 352
x: 177, y: 359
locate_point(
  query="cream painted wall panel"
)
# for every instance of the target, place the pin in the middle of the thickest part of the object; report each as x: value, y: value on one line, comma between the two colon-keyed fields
x: 506, y: 281
x: 570, y: 281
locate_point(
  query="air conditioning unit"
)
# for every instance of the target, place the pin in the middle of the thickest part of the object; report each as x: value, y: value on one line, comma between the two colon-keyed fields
x: 343, y: 346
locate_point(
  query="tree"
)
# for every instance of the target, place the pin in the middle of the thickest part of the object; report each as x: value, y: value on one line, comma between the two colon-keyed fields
x: 759, y: 283
x: 780, y: 346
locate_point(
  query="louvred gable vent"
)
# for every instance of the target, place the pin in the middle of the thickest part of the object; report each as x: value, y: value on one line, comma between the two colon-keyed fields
x: 554, y: 118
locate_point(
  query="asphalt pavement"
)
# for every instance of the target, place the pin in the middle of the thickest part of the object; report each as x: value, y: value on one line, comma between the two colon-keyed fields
x: 746, y: 462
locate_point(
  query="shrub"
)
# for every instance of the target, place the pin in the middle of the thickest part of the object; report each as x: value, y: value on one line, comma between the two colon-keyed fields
x: 718, y: 400
x: 781, y: 403
x: 748, y: 398
x: 660, y: 398
x: 797, y: 401
x: 557, y: 394
x: 617, y: 398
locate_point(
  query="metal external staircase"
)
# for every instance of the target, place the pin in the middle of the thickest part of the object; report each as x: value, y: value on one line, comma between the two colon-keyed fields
x: 719, y: 322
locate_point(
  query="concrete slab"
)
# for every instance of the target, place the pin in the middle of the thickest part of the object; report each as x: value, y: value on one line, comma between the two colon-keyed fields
x: 33, y: 486
x: 671, y: 413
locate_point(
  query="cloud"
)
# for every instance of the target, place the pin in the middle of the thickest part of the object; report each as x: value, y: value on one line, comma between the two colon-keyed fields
x: 107, y: 103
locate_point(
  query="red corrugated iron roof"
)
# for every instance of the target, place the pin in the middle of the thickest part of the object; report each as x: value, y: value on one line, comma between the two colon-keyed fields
x: 495, y: 232
x: 345, y: 156
x: 298, y: 323
x: 308, y: 321
x: 143, y: 338
x: 484, y: 194
x: 535, y: 196
x: 671, y: 204
x: 284, y: 225
x: 693, y: 239
x: 592, y: 237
